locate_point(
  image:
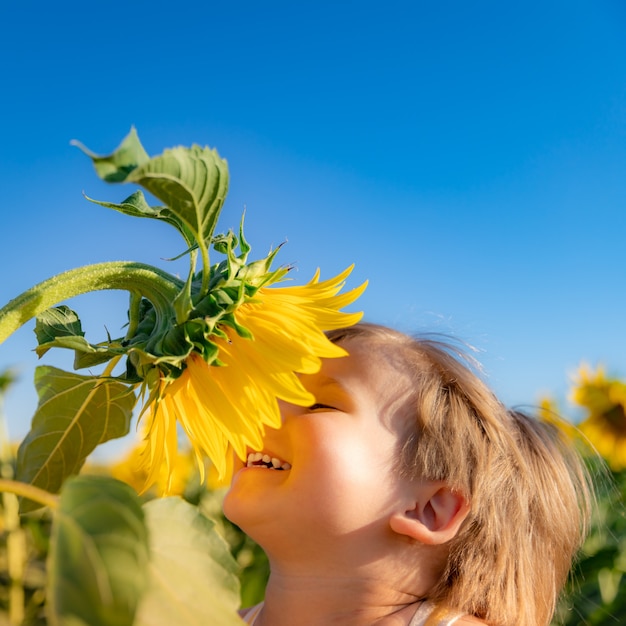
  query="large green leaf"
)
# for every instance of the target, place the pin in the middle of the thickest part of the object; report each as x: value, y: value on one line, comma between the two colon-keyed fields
x: 193, y: 577
x: 98, y: 560
x: 192, y: 182
x: 74, y: 415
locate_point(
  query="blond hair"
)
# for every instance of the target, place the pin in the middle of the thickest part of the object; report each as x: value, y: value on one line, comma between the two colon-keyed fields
x: 528, y: 488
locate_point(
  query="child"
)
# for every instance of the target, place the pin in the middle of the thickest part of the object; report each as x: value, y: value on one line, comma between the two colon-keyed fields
x: 408, y: 495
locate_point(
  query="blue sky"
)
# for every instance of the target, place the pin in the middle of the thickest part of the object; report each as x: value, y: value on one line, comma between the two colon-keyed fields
x: 469, y: 158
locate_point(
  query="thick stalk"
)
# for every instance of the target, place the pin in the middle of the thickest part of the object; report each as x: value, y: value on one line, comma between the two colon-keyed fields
x: 29, y: 491
x: 14, y: 533
x: 150, y: 282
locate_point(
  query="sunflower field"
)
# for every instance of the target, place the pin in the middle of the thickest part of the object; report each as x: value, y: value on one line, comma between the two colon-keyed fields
x: 597, y: 593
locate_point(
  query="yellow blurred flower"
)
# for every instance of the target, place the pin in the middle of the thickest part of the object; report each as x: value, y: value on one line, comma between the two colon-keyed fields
x: 227, y: 406
x: 548, y: 412
x: 605, y: 400
x: 171, y: 481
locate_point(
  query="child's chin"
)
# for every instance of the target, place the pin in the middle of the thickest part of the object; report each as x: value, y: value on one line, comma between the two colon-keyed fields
x: 235, y: 501
x: 237, y: 510
x: 231, y: 504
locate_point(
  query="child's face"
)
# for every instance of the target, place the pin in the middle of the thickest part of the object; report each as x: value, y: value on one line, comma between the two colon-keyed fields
x: 342, y: 452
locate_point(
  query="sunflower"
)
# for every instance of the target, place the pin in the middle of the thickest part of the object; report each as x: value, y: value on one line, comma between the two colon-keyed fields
x: 227, y: 406
x: 548, y: 412
x: 211, y: 355
x: 604, y: 399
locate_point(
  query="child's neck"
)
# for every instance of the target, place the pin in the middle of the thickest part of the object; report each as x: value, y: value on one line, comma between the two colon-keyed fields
x: 349, y: 600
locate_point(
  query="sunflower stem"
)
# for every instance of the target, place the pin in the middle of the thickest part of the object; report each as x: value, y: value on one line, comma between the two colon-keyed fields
x: 206, y: 270
x: 150, y: 282
x: 29, y: 491
x: 134, y: 307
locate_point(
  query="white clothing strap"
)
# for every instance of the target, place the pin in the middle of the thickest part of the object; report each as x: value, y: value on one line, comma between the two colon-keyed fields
x: 419, y: 618
x: 251, y: 615
x: 423, y: 613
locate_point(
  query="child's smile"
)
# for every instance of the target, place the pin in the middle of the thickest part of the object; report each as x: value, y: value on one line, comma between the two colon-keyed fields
x: 265, y: 460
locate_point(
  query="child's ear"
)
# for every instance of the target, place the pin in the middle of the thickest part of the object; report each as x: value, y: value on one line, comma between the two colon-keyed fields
x: 435, y: 516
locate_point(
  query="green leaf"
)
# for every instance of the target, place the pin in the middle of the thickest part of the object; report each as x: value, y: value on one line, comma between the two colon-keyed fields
x: 7, y: 378
x: 87, y: 354
x: 115, y: 167
x: 193, y: 575
x: 193, y: 182
x: 136, y: 206
x: 60, y: 327
x: 98, y: 561
x: 74, y: 415
x: 56, y: 322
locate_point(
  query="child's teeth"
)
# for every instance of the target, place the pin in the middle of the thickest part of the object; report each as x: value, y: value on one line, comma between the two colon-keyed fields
x: 259, y: 459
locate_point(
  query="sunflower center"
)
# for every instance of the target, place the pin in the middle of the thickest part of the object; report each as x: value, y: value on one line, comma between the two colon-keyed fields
x: 261, y: 459
x: 616, y: 419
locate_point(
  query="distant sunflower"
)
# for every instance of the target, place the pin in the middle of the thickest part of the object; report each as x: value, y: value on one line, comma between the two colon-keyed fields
x: 227, y: 406
x: 605, y: 400
x: 548, y: 412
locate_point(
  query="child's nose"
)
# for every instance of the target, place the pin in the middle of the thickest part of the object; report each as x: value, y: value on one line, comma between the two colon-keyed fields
x: 286, y: 410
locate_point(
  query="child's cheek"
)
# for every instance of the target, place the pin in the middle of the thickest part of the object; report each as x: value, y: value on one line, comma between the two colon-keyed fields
x: 337, y: 482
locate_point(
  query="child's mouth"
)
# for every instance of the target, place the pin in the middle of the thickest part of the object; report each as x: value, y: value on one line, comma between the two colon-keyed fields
x: 260, y: 459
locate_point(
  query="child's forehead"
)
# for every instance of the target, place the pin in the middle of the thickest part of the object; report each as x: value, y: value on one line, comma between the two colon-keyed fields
x: 365, y: 371
x: 371, y: 358
x: 360, y: 364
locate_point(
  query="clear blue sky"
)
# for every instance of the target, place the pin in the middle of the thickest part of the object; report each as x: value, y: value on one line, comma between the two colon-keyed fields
x: 470, y: 158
